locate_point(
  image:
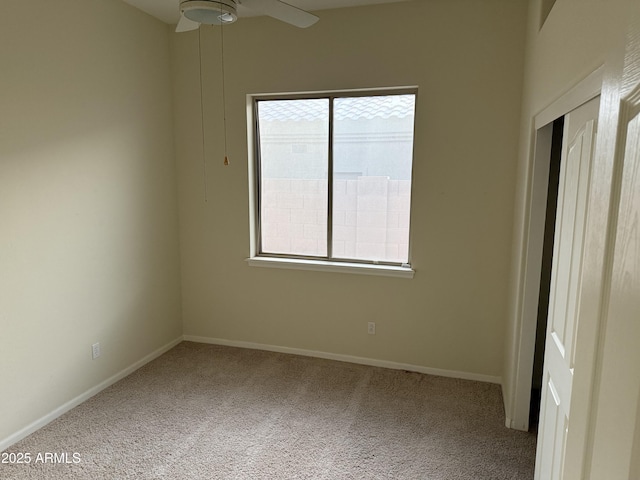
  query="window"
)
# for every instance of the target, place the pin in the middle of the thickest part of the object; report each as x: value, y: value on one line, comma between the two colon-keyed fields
x: 333, y: 176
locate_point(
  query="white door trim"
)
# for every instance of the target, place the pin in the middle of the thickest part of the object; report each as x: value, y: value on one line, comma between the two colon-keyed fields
x: 588, y: 88
x: 531, y: 249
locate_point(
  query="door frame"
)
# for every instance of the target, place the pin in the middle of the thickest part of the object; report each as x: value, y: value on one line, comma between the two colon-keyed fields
x: 531, y: 249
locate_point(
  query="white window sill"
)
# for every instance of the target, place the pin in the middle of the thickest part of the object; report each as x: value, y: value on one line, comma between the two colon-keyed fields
x: 327, y: 266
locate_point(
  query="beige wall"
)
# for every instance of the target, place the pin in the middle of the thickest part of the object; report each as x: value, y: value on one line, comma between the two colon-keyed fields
x: 88, y: 211
x: 578, y: 37
x: 88, y: 216
x: 466, y: 57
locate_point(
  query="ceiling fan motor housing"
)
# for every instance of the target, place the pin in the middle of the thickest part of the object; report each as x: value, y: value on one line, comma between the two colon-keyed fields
x: 209, y: 12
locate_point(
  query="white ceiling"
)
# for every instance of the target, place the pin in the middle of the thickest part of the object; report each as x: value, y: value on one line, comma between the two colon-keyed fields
x: 167, y: 10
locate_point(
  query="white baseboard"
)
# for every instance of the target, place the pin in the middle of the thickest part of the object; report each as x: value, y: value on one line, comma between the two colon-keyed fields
x: 41, y: 422
x: 511, y: 423
x: 347, y: 358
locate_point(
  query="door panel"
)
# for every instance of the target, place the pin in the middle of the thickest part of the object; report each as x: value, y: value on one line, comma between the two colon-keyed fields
x: 552, y: 416
x: 575, y: 170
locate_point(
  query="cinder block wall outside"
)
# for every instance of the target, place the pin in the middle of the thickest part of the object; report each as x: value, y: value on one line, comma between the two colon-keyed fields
x: 371, y: 217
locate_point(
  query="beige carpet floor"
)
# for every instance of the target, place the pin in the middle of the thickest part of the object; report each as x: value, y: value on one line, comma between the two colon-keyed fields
x: 211, y: 412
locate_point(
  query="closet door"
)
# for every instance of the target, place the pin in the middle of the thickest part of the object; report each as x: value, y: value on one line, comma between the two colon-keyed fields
x: 566, y: 276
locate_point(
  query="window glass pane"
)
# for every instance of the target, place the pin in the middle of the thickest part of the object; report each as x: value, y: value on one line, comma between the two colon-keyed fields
x: 293, y: 142
x: 372, y: 156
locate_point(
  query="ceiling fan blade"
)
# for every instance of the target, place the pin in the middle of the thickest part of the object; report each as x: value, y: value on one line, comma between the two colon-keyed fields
x: 282, y: 11
x: 184, y: 25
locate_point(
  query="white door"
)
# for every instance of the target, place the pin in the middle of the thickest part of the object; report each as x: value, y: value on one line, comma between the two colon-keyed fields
x: 577, y: 155
x: 615, y: 454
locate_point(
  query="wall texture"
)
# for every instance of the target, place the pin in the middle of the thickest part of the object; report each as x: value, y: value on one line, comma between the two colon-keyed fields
x: 466, y: 57
x: 88, y: 215
x: 578, y: 37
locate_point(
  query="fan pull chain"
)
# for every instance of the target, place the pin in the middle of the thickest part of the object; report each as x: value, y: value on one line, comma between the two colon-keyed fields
x: 224, y: 97
x: 204, y: 156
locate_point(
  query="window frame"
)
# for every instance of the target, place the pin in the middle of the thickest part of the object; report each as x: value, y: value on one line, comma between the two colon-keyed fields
x: 309, y: 262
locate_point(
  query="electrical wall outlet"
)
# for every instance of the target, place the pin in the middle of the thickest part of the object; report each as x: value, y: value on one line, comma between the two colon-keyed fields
x: 95, y: 350
x: 371, y: 328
